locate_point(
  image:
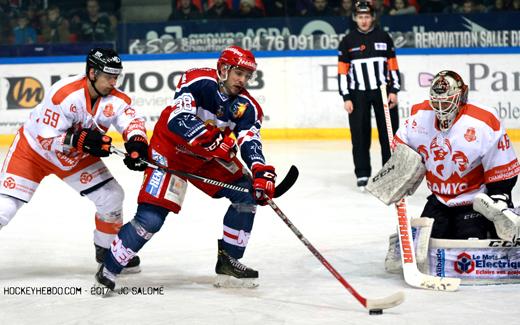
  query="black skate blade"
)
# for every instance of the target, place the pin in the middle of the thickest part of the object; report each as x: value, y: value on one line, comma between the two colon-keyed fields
x: 227, y: 281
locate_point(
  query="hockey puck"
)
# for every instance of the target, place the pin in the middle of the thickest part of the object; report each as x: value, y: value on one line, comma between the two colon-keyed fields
x: 375, y: 312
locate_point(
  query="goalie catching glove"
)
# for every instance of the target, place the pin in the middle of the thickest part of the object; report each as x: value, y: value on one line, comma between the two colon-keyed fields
x: 217, y: 144
x: 137, y: 149
x: 90, y: 141
x: 264, y: 178
x: 401, y: 175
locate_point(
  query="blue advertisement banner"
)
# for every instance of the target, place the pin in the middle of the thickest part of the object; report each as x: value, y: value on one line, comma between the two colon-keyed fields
x: 297, y: 33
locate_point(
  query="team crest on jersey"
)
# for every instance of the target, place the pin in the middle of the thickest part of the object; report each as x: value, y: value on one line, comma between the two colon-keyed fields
x: 460, y: 160
x: 470, y: 134
x: 440, y: 148
x: 45, y: 143
x: 238, y: 110
x: 108, y: 111
x: 380, y: 46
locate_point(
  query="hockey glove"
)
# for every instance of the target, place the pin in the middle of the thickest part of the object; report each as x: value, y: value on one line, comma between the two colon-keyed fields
x: 90, y: 141
x: 264, y: 178
x: 137, y: 149
x: 217, y: 144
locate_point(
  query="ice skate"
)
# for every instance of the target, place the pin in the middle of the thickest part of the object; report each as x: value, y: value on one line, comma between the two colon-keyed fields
x: 362, y: 183
x: 105, y: 282
x: 131, y: 267
x: 233, y: 274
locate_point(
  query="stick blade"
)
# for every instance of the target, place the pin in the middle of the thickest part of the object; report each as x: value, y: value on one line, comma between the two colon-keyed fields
x: 434, y: 283
x: 287, y: 182
x: 387, y: 302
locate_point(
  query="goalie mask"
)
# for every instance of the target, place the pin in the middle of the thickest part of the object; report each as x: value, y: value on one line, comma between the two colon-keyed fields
x: 448, y: 94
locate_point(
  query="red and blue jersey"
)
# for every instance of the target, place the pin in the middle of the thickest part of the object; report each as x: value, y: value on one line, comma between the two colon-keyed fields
x: 199, y: 105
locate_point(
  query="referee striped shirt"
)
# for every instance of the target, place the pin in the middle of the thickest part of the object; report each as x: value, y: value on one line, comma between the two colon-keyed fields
x: 366, y: 61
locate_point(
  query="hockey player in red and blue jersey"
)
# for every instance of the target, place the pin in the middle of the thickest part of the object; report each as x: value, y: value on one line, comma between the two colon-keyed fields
x: 195, y: 136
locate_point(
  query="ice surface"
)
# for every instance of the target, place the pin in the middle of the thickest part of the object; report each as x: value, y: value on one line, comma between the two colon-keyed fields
x: 49, y: 243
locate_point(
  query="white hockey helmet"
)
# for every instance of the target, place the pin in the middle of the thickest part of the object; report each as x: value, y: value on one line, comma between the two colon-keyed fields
x: 448, y: 94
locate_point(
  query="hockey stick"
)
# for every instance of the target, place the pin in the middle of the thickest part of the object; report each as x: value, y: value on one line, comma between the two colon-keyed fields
x: 375, y: 305
x: 411, y: 273
x: 284, y: 186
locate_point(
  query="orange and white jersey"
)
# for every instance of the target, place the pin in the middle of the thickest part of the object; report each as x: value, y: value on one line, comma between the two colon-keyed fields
x: 475, y: 151
x: 68, y: 105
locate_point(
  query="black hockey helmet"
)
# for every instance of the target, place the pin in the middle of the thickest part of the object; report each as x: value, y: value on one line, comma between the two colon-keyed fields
x: 363, y: 7
x: 104, y: 60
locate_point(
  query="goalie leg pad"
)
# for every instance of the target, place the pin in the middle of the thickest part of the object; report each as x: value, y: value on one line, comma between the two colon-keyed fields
x: 400, y: 176
x: 506, y: 221
x: 421, y: 232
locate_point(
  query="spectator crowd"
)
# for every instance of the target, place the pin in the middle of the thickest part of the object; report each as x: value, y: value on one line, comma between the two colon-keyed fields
x: 66, y: 21
x: 38, y: 21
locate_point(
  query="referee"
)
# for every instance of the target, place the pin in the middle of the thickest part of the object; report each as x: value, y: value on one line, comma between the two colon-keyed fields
x: 366, y: 61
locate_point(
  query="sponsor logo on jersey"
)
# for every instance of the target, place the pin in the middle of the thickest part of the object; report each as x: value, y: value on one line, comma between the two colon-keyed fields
x: 457, y: 186
x: 85, y: 178
x: 129, y: 111
x: 380, y: 46
x: 65, y: 160
x: 470, y: 134
x: 9, y: 183
x: 24, y: 92
x: 153, y: 186
x: 247, y: 63
x: 358, y: 49
x: 464, y: 263
x: 108, y: 111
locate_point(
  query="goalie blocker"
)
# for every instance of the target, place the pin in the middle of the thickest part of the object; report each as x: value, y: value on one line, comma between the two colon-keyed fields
x: 506, y: 221
x: 474, y: 261
x: 400, y: 176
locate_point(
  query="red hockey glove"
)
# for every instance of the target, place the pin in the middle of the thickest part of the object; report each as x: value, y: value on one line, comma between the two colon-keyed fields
x: 217, y: 144
x: 264, y: 178
x: 90, y: 141
x: 137, y: 148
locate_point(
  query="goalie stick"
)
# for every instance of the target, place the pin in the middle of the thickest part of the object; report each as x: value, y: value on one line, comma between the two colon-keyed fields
x: 284, y: 186
x: 370, y: 304
x: 411, y: 273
